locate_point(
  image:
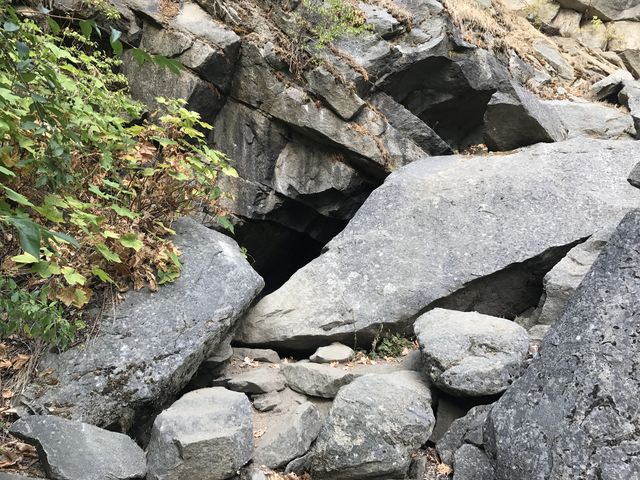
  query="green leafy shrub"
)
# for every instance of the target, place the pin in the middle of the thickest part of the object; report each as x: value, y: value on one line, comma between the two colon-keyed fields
x: 86, y: 200
x: 390, y: 345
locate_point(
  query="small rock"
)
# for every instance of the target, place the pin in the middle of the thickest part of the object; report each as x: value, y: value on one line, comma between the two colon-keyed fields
x: 610, y: 85
x: 553, y: 57
x: 257, y: 354
x: 71, y: 450
x: 470, y: 354
x: 340, y: 97
x: 471, y: 463
x: 412, y: 361
x: 385, y: 24
x: 289, y: 438
x: 537, y: 332
x: 336, y: 352
x: 282, y: 400
x: 252, y: 473
x: 206, y: 435
x: 316, y: 379
x: 257, y: 380
x: 467, y: 429
x: 634, y: 176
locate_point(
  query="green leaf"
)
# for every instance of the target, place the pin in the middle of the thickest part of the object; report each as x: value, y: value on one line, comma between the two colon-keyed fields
x: 108, y: 254
x: 73, y: 277
x: 25, y: 258
x: 123, y: 211
x: 225, y: 222
x: 45, y: 269
x: 168, y: 63
x: 117, y: 47
x: 63, y: 237
x: 102, y: 275
x: 85, y: 27
x: 51, y: 213
x: 17, y: 197
x: 53, y: 25
x: 131, y: 240
x: 10, y: 27
x: 141, y: 56
x: 109, y: 234
x: 6, y: 171
x: 29, y: 234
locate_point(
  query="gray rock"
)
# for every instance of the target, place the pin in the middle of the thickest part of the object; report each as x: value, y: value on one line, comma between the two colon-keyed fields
x: 11, y: 476
x: 560, y: 420
x: 447, y: 411
x: 149, y: 349
x: 316, y: 379
x: 471, y: 463
x: 595, y: 120
x: 606, y: 9
x: 374, y: 425
x: 469, y: 354
x: 257, y: 380
x: 72, y: 450
x: 206, y: 435
x: 532, y: 204
x: 567, y: 22
x: 221, y: 353
x: 252, y: 473
x: 336, y: 352
x: 341, y: 98
x: 282, y: 401
x: 550, y: 54
x: 161, y: 41
x: 384, y: 24
x: 634, y: 176
x: 562, y: 280
x: 611, y: 85
x: 465, y: 430
x: 629, y: 96
x: 256, y: 354
x: 538, y: 332
x: 289, y: 438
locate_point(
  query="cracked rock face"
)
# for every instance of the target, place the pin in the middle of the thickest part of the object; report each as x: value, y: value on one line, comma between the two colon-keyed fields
x: 460, y: 219
x: 149, y: 349
x: 574, y: 413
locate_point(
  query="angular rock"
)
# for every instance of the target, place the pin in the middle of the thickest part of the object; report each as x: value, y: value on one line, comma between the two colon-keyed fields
x: 206, y: 435
x: 567, y: 22
x: 374, y: 425
x: 150, y: 348
x: 606, y: 9
x: 629, y: 96
x: 550, y: 54
x: 562, y: 280
x: 634, y: 176
x: 336, y: 352
x: 471, y: 463
x: 447, y: 411
x: 465, y: 430
x: 316, y: 379
x: 469, y: 354
x: 283, y: 400
x: 385, y: 24
x: 256, y: 354
x: 341, y: 98
x: 611, y: 85
x: 532, y: 204
x: 161, y: 41
x: 289, y: 438
x: 72, y: 450
x: 257, y: 380
x: 595, y: 120
x: 560, y: 420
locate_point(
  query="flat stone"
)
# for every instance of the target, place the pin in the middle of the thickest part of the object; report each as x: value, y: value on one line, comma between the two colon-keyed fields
x: 560, y: 420
x: 206, y: 435
x: 374, y: 425
x: 336, y: 352
x: 595, y: 120
x: 150, y: 348
x: 533, y: 204
x: 288, y: 438
x: 257, y: 380
x: 472, y: 463
x: 550, y: 54
x: 71, y: 450
x: 465, y: 430
x: 469, y: 354
x: 256, y: 354
x: 282, y: 401
x: 316, y: 379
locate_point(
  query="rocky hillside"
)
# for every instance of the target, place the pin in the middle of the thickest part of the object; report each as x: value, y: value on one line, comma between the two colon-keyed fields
x: 441, y: 217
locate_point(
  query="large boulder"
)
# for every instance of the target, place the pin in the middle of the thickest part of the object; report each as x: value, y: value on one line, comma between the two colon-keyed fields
x: 373, y: 426
x: 573, y: 414
x: 206, y: 435
x: 469, y: 354
x: 606, y: 9
x: 72, y: 450
x: 486, y: 228
x: 150, y: 345
x: 590, y: 119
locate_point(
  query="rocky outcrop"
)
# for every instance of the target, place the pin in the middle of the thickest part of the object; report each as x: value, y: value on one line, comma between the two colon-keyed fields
x: 463, y: 431
x: 559, y: 420
x: 151, y: 344
x: 72, y: 450
x: 373, y: 426
x: 531, y: 205
x: 469, y: 354
x: 206, y: 435
x: 594, y: 120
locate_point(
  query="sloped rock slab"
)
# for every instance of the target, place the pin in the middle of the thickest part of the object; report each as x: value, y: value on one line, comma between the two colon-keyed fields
x: 439, y: 224
x: 72, y: 450
x: 573, y: 414
x: 148, y: 350
x: 374, y: 425
x: 206, y: 435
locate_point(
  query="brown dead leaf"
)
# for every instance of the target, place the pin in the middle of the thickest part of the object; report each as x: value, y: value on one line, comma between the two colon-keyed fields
x: 9, y: 459
x: 259, y: 433
x: 443, y: 469
x: 20, y: 361
x: 5, y: 363
x: 6, y: 393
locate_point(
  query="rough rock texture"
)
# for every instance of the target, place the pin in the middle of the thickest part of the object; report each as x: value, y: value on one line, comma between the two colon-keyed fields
x: 257, y: 354
x: 11, y: 476
x: 465, y: 430
x: 606, y: 9
x: 336, y: 352
x: 563, y: 279
x: 206, y: 435
x: 316, y: 379
x: 532, y: 204
x: 289, y: 438
x: 259, y: 380
x: 149, y: 349
x: 471, y: 463
x: 634, y: 176
x: 72, y: 450
x: 587, y: 119
x: 373, y: 426
x: 469, y: 354
x: 573, y: 413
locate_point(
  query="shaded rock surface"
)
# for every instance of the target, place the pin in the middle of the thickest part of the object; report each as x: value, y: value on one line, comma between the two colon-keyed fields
x: 259, y: 380
x: 149, y: 349
x: 373, y: 426
x: 560, y: 420
x: 465, y: 430
x: 206, y: 435
x: 72, y: 450
x: 634, y: 176
x: 336, y: 352
x: 532, y: 204
x: 471, y: 463
x: 469, y: 354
